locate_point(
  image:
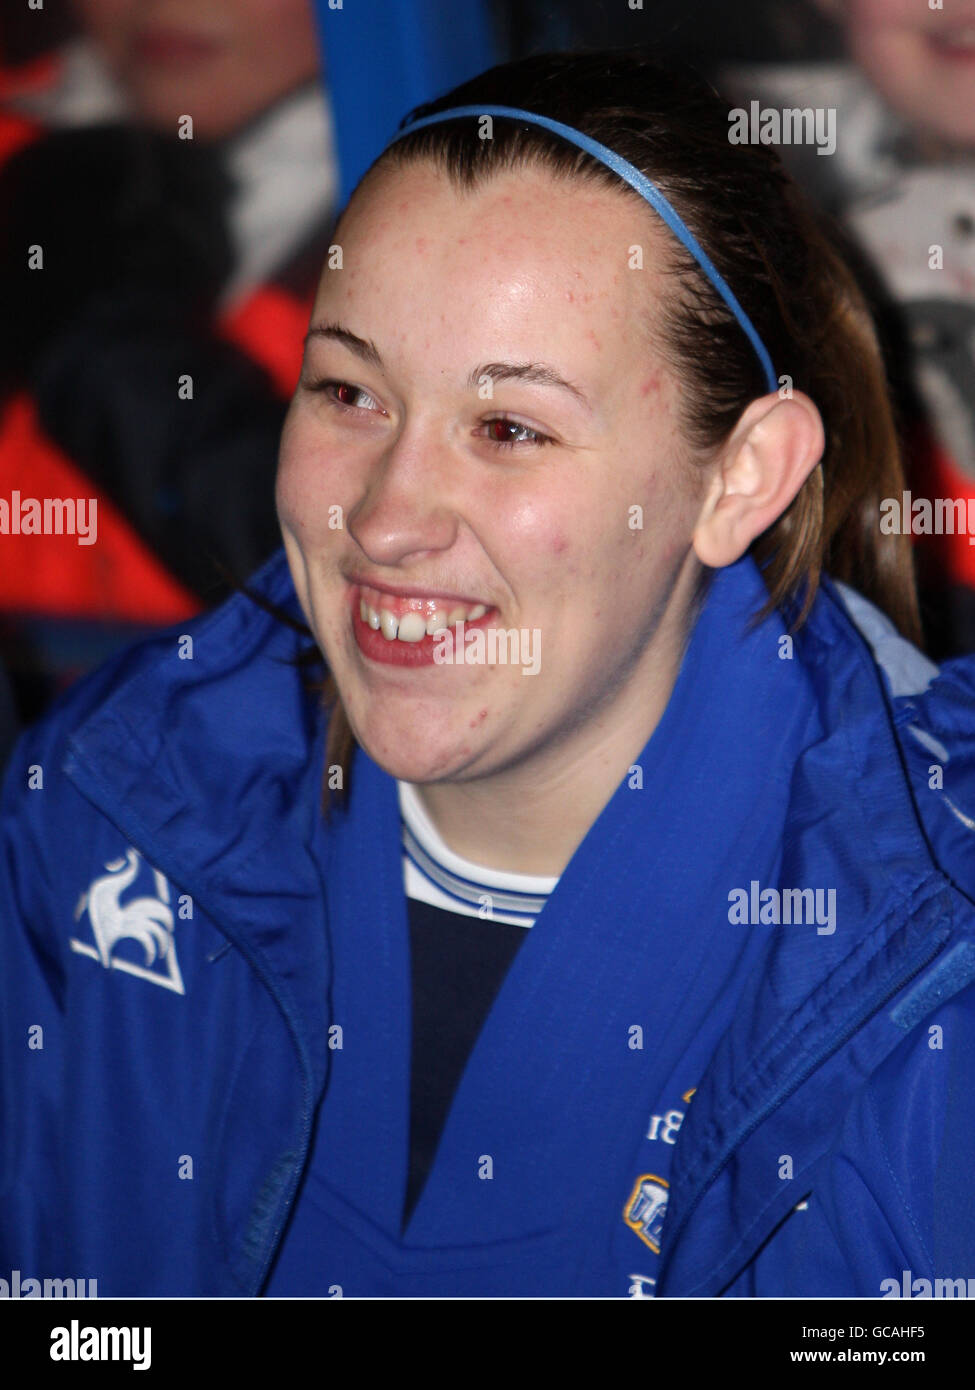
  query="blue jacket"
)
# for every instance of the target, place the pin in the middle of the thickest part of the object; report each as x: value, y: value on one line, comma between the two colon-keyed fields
x: 204, y: 989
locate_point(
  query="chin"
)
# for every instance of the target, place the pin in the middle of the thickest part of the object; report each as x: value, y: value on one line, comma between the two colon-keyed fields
x: 412, y: 749
x: 441, y: 764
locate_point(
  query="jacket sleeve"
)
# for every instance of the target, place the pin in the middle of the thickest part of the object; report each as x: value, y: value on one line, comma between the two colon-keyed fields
x: 890, y: 1206
x: 899, y: 1195
x: 47, y: 830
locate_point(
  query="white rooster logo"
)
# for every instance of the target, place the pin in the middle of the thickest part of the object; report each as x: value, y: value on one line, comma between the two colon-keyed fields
x: 149, y: 921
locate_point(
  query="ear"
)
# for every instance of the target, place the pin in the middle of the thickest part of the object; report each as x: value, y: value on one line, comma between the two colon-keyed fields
x: 769, y: 455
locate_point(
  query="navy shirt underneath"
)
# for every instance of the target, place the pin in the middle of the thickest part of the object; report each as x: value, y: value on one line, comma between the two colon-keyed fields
x: 458, y: 964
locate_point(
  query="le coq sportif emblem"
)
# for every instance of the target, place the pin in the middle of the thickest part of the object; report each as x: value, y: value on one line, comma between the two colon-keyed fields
x: 132, y: 931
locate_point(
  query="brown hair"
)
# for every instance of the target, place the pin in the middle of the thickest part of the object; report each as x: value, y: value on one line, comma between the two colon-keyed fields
x: 765, y: 240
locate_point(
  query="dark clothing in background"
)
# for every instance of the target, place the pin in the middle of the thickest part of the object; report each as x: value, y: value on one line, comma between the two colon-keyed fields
x: 9, y: 726
x: 123, y: 382
x: 136, y: 250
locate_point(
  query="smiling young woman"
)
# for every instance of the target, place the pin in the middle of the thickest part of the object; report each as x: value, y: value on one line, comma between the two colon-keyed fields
x: 548, y: 1000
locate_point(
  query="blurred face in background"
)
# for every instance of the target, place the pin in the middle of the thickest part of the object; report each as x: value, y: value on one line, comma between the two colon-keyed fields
x: 220, y: 61
x: 921, y: 60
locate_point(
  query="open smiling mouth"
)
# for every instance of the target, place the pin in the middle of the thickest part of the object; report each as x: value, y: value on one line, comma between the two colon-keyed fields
x: 404, y: 631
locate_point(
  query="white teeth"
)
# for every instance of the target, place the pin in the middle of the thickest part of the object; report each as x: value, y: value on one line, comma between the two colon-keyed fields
x: 412, y: 627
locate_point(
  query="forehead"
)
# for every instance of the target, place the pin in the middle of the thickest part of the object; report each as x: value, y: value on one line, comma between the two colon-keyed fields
x: 525, y: 254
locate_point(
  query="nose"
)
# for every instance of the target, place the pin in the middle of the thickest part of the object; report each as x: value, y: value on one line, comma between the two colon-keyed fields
x: 405, y: 509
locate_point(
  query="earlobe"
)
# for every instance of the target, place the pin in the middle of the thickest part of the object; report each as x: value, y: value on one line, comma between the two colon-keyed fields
x: 769, y: 455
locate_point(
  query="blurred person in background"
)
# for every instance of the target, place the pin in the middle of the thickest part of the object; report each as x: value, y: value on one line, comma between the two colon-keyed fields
x: 902, y: 180
x: 147, y: 363
x: 177, y: 165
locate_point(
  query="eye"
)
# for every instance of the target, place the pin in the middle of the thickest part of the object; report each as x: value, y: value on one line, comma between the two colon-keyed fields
x: 344, y: 395
x: 506, y: 434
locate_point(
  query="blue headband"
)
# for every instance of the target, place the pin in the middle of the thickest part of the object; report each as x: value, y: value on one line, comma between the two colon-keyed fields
x: 642, y: 185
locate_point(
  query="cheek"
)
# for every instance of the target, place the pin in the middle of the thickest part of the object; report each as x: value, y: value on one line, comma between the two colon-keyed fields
x: 543, y: 537
x: 306, y: 489
x: 889, y: 44
x: 278, y: 36
x: 110, y: 24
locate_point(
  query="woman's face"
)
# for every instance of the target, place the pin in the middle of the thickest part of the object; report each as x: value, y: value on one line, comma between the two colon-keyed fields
x: 505, y: 440
x: 220, y: 61
x: 922, y: 60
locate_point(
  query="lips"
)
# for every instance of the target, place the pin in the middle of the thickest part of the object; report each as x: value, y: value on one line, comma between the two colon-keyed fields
x: 401, y: 629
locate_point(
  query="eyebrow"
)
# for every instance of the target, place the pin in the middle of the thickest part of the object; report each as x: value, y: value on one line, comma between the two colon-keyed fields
x: 536, y: 373
x: 362, y: 348
x: 533, y: 372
